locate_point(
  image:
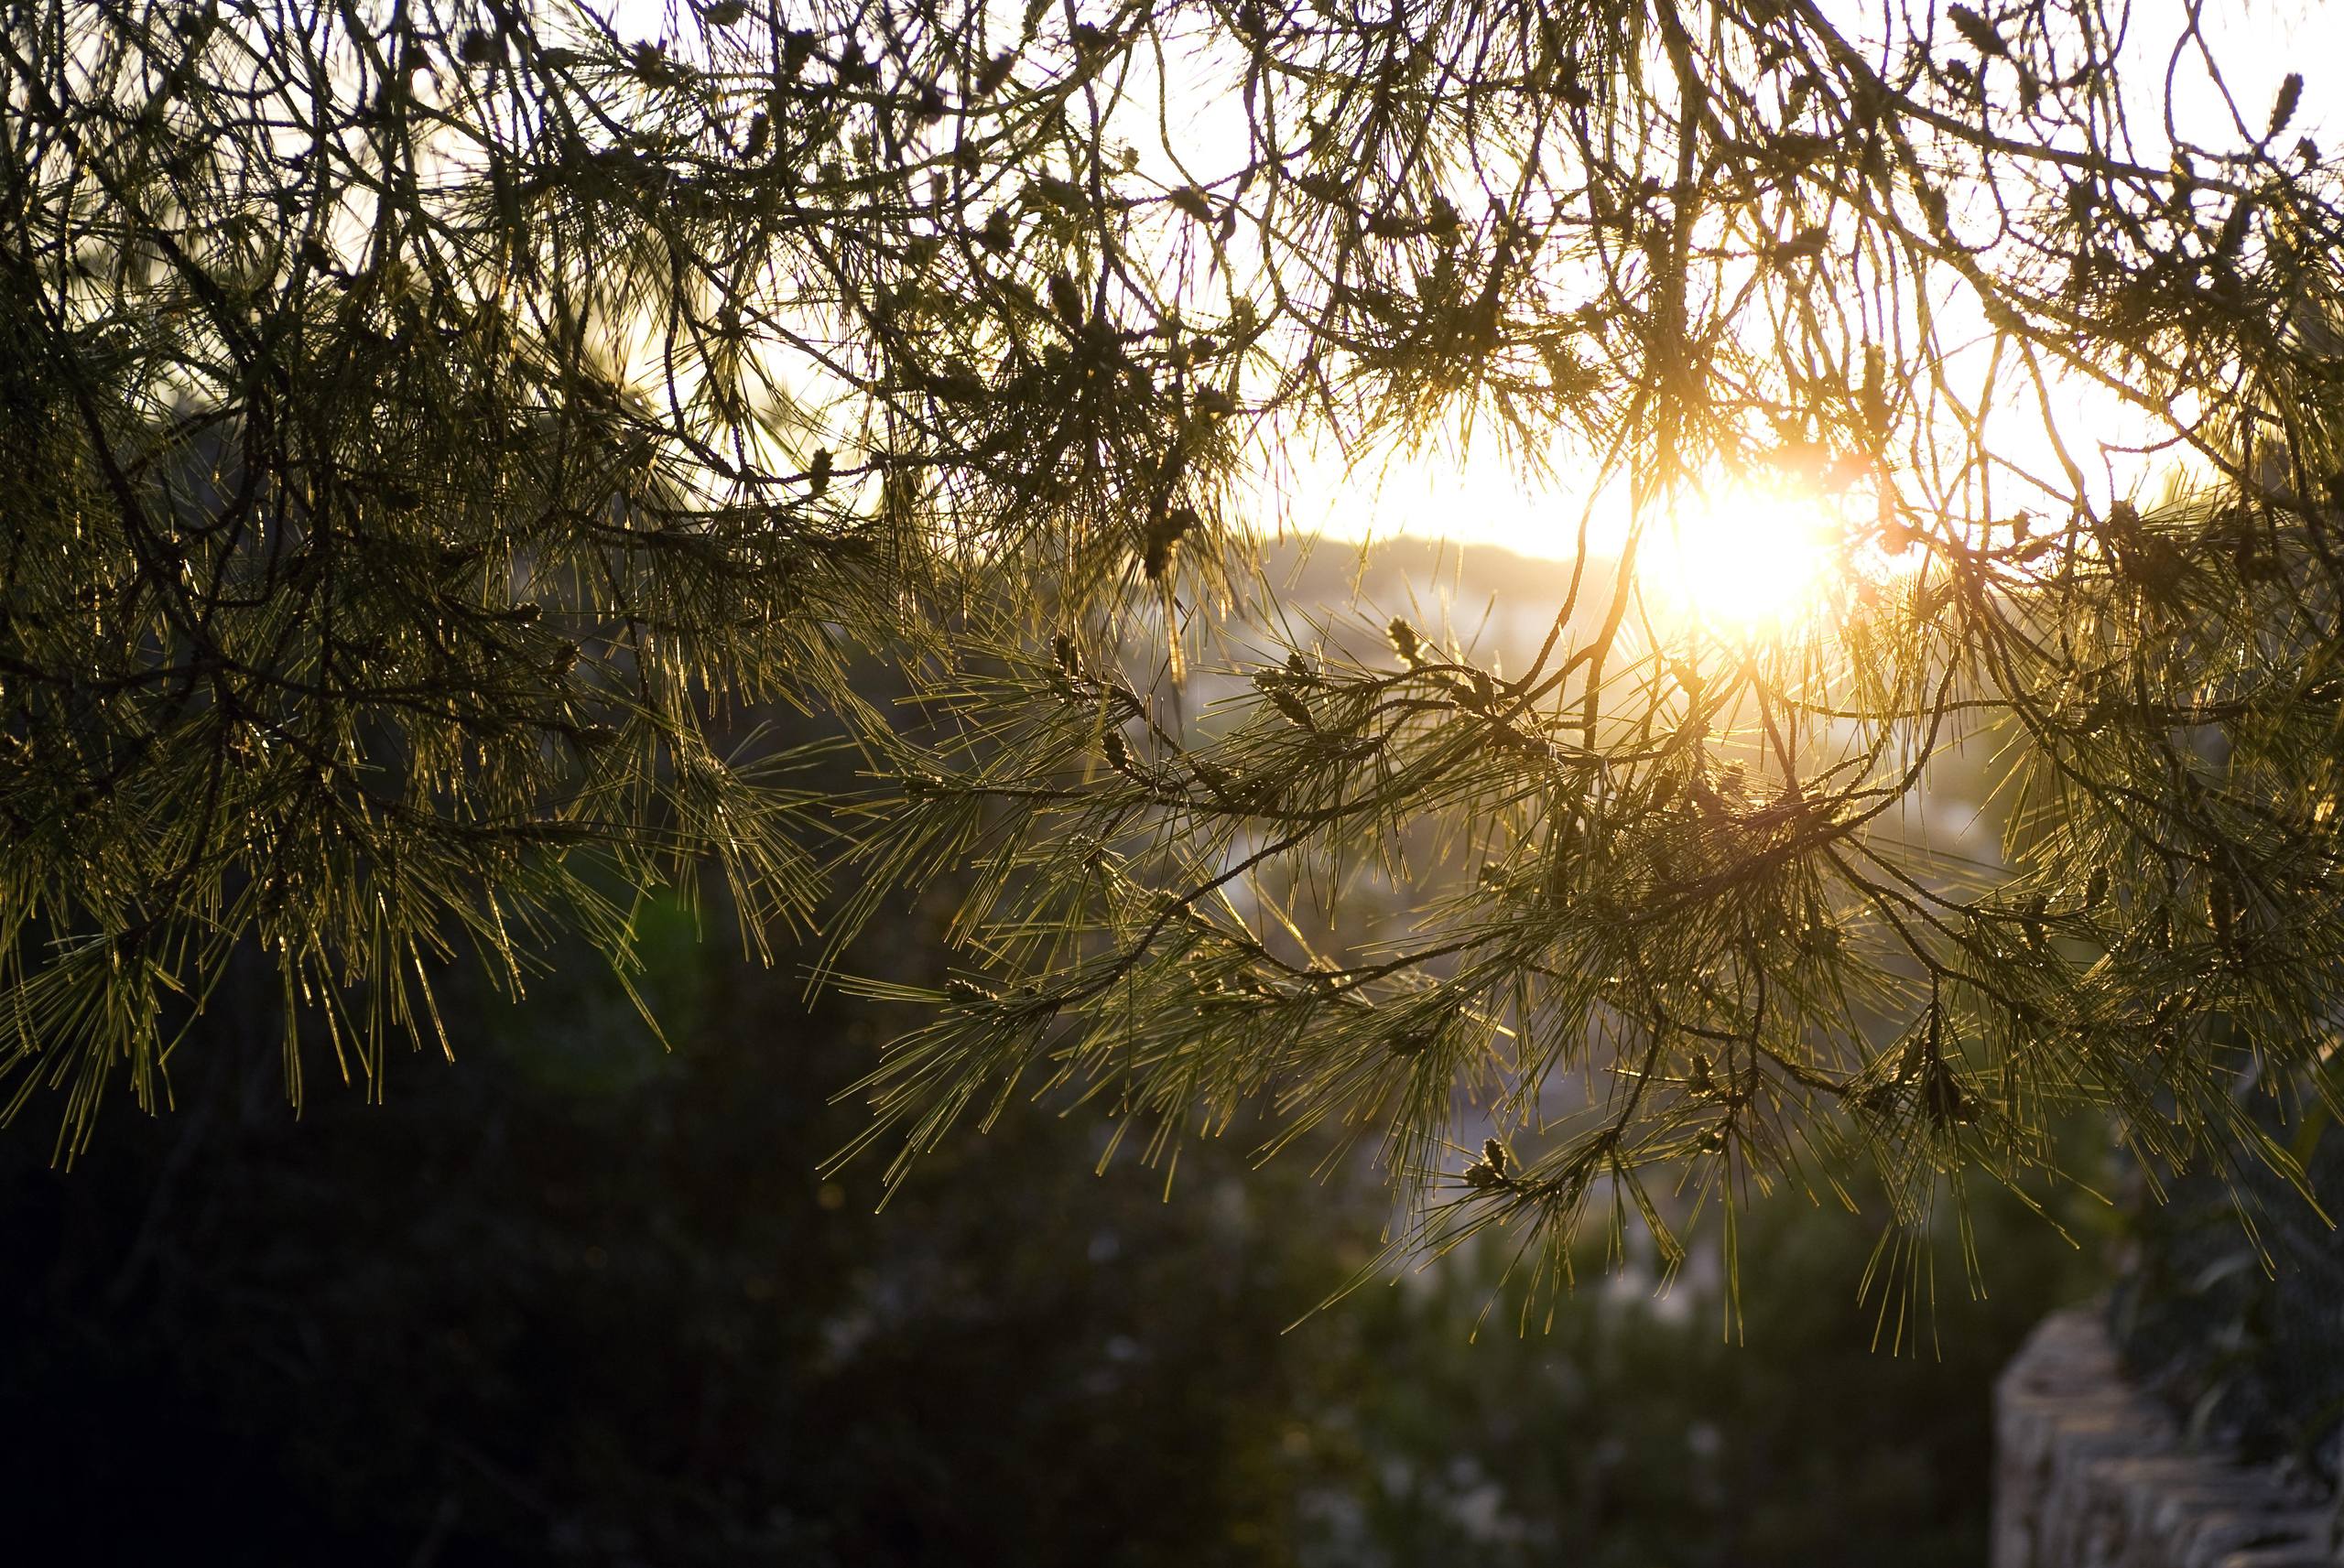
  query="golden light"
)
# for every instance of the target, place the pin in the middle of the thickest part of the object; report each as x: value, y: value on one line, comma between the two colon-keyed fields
x: 1748, y: 556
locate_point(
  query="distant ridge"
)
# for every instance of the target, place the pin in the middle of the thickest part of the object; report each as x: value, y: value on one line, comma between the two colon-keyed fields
x: 1485, y: 599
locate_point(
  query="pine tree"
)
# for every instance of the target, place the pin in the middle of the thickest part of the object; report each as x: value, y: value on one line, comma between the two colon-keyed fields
x: 430, y: 426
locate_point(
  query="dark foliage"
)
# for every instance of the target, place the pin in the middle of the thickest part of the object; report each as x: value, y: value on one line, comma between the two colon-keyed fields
x: 574, y: 1300
x: 2242, y: 1327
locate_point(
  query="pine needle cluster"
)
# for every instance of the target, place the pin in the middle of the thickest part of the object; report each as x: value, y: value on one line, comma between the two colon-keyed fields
x: 433, y: 429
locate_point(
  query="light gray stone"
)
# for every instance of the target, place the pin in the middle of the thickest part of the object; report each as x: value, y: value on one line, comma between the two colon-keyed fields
x: 2092, y: 1472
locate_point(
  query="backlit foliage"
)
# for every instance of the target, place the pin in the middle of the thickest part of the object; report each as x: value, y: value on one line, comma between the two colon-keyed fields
x: 429, y: 423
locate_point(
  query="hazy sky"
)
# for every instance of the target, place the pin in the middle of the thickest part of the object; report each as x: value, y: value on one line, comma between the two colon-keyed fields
x: 1480, y: 499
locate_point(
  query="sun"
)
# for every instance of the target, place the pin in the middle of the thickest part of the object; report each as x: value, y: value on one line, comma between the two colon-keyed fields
x: 1744, y: 557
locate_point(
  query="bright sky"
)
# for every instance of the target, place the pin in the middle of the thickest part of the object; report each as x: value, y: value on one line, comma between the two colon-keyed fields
x: 1745, y: 559
x: 1744, y: 553
x: 1478, y: 499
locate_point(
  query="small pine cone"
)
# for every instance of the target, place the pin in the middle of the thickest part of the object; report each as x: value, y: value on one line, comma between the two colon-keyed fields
x: 1404, y: 641
x: 1293, y: 706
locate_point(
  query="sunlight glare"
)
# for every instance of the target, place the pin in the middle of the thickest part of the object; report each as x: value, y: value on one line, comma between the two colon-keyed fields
x: 1745, y: 559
